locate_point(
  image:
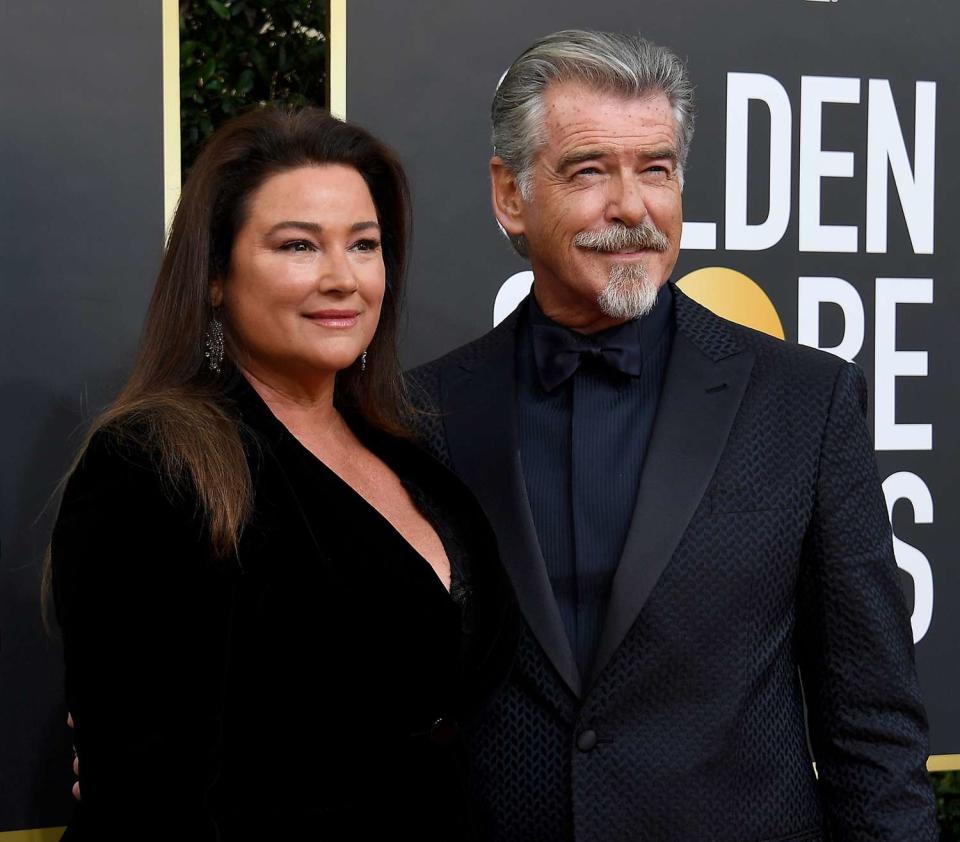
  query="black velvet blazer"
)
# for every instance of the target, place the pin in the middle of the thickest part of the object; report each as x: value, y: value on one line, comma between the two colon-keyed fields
x: 314, y: 684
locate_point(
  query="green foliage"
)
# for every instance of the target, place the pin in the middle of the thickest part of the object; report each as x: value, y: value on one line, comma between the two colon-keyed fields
x: 235, y: 53
x: 947, y: 787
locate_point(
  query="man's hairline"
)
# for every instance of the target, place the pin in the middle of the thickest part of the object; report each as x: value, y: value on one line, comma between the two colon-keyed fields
x: 523, y: 176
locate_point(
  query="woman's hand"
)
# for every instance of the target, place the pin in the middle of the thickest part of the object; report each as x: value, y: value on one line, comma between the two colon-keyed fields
x: 76, y: 762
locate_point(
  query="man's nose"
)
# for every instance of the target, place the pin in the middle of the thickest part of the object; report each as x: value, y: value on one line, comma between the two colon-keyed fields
x: 626, y: 203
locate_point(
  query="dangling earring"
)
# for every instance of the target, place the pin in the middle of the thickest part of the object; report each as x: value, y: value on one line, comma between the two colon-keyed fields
x: 213, y: 342
x: 363, y: 361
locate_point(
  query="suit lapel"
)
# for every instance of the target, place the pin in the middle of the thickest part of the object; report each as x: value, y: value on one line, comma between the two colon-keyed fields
x: 478, y: 400
x: 704, y: 383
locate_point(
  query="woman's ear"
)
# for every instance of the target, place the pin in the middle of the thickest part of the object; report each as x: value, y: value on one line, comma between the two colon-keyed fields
x: 216, y: 292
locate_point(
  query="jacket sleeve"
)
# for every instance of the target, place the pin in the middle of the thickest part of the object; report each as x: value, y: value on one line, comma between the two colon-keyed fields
x: 867, y: 723
x: 144, y: 613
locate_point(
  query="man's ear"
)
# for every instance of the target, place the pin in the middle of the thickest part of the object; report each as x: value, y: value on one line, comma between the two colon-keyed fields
x: 216, y: 292
x: 508, y: 204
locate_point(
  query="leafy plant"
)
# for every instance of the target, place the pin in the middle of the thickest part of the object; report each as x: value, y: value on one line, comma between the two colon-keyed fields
x: 947, y: 787
x: 235, y: 53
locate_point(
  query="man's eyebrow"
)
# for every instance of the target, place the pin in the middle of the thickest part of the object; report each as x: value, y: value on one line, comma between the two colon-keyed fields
x: 571, y: 159
x: 666, y: 152
x: 314, y: 228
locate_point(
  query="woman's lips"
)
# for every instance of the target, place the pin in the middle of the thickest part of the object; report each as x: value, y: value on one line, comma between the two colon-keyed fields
x: 334, y: 318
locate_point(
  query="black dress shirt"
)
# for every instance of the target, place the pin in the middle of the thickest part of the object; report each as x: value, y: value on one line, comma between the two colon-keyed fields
x: 582, y: 446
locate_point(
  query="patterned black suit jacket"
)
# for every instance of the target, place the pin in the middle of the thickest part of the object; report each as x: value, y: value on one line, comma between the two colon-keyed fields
x: 758, y: 572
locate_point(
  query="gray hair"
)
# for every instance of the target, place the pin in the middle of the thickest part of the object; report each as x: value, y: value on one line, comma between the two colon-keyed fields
x: 608, y: 61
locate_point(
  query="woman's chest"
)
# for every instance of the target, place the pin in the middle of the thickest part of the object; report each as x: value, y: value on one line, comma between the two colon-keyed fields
x: 329, y: 585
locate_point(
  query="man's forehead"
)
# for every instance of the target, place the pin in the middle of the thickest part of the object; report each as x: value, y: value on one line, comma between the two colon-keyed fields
x: 575, y: 94
x: 578, y: 116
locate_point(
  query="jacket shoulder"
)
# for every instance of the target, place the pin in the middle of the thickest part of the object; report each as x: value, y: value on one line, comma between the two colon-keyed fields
x: 782, y: 357
x: 791, y: 374
x: 787, y: 353
x: 122, y: 458
x: 121, y: 487
x: 424, y: 384
x: 423, y: 381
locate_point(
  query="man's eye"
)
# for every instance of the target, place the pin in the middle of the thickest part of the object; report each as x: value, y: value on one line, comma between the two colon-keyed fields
x: 367, y: 244
x: 588, y: 171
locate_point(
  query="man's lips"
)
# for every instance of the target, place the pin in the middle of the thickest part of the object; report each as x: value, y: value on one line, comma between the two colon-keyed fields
x: 631, y: 253
x: 333, y: 318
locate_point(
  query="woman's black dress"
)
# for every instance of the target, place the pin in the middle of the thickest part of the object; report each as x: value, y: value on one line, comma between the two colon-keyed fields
x: 313, y: 686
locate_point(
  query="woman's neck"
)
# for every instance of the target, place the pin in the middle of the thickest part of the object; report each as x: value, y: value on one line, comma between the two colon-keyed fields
x: 306, y: 410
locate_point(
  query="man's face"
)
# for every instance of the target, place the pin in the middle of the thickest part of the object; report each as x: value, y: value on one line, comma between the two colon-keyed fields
x: 608, y: 166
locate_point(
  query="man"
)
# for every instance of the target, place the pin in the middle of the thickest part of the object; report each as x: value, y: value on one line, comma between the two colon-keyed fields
x: 689, y: 510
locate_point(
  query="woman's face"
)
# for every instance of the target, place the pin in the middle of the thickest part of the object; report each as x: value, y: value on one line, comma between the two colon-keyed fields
x: 303, y: 293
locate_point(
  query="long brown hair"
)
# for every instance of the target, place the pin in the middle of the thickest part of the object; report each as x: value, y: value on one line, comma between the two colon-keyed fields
x: 172, y: 402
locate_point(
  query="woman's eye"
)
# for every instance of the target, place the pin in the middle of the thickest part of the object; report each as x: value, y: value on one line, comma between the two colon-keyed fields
x: 297, y: 245
x: 367, y: 244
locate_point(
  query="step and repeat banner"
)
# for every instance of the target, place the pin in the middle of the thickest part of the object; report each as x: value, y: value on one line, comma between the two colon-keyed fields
x: 819, y: 205
x: 81, y: 234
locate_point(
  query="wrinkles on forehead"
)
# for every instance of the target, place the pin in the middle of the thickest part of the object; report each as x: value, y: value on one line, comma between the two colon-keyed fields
x: 579, y: 120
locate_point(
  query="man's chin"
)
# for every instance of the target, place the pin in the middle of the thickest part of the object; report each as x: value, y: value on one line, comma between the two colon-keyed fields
x: 629, y: 294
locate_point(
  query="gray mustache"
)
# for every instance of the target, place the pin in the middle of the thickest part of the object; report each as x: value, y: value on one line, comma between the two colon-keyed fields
x: 618, y: 237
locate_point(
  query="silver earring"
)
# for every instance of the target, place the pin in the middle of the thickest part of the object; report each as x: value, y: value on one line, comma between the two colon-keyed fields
x: 363, y: 361
x: 213, y: 342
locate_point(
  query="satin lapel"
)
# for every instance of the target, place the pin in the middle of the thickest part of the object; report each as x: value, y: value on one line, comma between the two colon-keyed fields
x: 479, y: 409
x: 704, y: 383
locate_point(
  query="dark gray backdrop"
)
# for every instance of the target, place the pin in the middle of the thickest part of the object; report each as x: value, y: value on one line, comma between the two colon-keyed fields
x: 81, y: 232
x: 81, y: 216
x: 421, y: 74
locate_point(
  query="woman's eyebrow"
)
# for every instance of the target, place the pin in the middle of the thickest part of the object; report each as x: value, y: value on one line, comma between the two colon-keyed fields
x: 315, y: 228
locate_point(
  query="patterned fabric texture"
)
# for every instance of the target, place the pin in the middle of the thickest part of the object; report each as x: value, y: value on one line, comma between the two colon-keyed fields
x: 781, y: 591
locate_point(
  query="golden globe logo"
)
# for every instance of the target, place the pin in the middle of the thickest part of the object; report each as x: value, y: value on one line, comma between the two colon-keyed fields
x: 733, y: 296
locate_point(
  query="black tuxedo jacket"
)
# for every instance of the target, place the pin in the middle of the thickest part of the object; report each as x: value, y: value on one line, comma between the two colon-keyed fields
x: 757, y: 574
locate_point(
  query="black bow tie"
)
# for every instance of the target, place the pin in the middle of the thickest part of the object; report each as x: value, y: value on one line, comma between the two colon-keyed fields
x: 559, y: 352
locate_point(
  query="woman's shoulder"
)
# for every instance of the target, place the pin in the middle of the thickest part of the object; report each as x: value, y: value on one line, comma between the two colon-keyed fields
x: 123, y: 503
x: 116, y: 481
x: 115, y: 453
x: 128, y: 468
x: 121, y: 453
x: 159, y: 440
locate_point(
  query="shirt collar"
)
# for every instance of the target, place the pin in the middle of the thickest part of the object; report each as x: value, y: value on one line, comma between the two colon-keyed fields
x: 641, y: 335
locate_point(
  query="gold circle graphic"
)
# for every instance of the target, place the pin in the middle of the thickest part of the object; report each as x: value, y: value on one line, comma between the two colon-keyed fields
x: 734, y: 296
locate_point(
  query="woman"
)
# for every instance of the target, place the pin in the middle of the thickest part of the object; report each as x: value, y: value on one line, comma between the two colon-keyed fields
x: 277, y: 612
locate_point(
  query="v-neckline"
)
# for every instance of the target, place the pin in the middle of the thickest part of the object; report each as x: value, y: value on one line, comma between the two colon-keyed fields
x: 356, y: 495
x: 249, y: 396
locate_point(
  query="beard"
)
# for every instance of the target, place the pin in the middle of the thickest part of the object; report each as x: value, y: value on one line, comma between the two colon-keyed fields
x: 630, y: 292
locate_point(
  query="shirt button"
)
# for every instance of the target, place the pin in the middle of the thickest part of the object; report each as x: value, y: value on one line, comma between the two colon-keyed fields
x: 586, y: 740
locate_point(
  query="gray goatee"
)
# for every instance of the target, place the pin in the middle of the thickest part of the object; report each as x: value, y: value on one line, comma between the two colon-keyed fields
x: 629, y: 293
